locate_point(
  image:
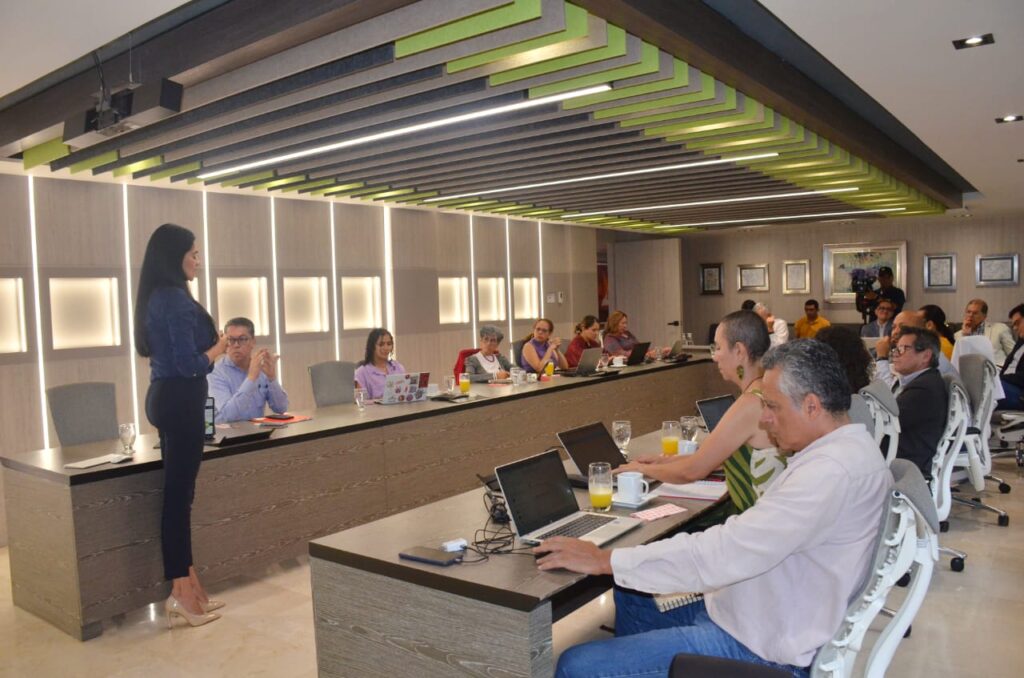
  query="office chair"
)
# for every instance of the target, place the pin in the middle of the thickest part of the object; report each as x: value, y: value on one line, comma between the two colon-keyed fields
x: 943, y: 462
x: 886, y: 414
x: 333, y: 382
x: 517, y: 351
x: 460, y: 361
x: 83, y: 413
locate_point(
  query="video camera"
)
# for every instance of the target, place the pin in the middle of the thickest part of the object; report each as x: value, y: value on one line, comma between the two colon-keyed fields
x: 862, y: 282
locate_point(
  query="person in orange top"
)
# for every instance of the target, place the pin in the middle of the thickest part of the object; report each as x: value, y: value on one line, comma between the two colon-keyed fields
x: 587, y: 331
x: 808, y: 326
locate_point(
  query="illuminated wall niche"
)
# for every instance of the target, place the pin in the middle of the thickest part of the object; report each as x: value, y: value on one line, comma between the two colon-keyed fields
x: 244, y: 297
x: 452, y: 300
x: 525, y: 298
x: 305, y: 305
x: 13, y: 338
x: 360, y: 302
x: 490, y: 294
x: 84, y: 313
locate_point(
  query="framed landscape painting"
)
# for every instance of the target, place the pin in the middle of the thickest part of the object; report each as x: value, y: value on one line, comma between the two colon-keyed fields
x: 847, y: 267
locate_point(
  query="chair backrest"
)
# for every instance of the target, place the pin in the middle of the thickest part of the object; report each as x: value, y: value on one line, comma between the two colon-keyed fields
x: 979, y: 375
x: 333, y: 382
x: 83, y: 413
x: 460, y: 361
x: 886, y: 415
x: 860, y: 413
x: 957, y: 414
x: 907, y: 541
x: 517, y: 350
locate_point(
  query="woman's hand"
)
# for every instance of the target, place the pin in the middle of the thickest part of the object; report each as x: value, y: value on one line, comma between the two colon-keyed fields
x: 501, y: 374
x: 218, y: 349
x: 555, y: 342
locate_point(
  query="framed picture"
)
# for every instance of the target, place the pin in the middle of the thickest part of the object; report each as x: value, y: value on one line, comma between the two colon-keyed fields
x: 710, y: 278
x: 940, y: 272
x: 752, y: 278
x: 994, y: 270
x: 851, y: 267
x: 796, y: 276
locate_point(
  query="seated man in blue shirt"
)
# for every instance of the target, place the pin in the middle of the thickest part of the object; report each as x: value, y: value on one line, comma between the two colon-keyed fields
x: 244, y: 381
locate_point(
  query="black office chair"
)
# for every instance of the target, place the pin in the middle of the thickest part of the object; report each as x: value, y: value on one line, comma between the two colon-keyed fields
x: 699, y: 666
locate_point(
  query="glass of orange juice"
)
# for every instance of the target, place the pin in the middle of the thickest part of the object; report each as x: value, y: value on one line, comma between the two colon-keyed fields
x: 599, y: 480
x: 549, y: 369
x: 670, y: 434
x: 464, y: 382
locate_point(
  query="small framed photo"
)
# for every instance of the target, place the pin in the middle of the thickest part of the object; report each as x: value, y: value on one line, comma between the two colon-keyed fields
x: 994, y: 270
x: 752, y: 278
x: 796, y: 276
x: 940, y: 272
x: 710, y: 278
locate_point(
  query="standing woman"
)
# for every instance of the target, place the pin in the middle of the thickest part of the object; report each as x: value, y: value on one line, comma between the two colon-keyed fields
x: 587, y: 331
x: 377, y: 364
x: 181, y: 341
x: 540, y: 348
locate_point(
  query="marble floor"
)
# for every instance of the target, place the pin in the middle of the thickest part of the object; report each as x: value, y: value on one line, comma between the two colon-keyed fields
x: 968, y: 625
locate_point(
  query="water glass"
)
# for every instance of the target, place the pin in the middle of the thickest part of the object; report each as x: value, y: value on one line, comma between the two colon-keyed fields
x: 449, y: 383
x: 689, y: 427
x: 688, y: 339
x: 599, y: 482
x: 622, y: 431
x: 126, y: 433
x: 360, y: 398
x: 670, y: 434
x: 516, y: 374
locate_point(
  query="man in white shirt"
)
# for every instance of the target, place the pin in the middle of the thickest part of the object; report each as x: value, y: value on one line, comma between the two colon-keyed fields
x: 883, y: 366
x: 778, y: 329
x: 777, y: 578
x: 976, y: 325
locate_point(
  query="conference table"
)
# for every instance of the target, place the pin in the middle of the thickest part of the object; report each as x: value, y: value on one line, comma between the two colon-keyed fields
x: 376, y: 614
x: 84, y: 545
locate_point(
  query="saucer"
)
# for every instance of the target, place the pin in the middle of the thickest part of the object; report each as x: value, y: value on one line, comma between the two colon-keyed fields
x: 644, y: 499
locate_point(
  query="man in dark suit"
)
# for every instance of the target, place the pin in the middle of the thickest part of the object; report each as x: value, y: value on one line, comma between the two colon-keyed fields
x: 1012, y: 372
x: 921, y: 395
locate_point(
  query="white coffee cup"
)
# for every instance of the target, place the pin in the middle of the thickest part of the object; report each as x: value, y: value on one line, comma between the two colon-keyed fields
x: 687, y: 447
x: 632, y: 487
x: 619, y: 361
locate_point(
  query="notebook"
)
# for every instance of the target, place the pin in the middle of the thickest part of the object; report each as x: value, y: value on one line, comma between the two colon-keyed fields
x: 542, y: 504
x: 409, y: 387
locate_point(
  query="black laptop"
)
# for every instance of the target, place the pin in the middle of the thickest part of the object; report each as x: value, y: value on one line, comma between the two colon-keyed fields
x: 638, y: 354
x: 713, y: 409
x: 588, y: 444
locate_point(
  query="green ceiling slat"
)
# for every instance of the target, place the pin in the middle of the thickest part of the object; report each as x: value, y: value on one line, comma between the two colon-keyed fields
x: 309, y: 184
x: 727, y: 105
x: 476, y: 204
x: 267, y: 185
x: 95, y: 161
x: 337, y: 188
x: 515, y: 12
x: 751, y: 113
x: 707, y: 91
x: 510, y: 208
x: 615, y: 46
x: 391, y: 194
x: 43, y: 153
x: 416, y: 198
x: 749, y: 141
x: 576, y: 25
x: 148, y: 163
x: 680, y: 79
x: 542, y: 213
x: 455, y: 202
x: 171, y: 171
x: 363, y: 192
x: 648, y: 64
x: 234, y: 181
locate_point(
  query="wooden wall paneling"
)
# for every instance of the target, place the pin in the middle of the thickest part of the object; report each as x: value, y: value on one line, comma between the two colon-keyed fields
x: 303, y: 249
x: 239, y: 238
x: 558, y: 277
x: 359, y: 251
x: 489, y: 258
x: 523, y: 254
x: 583, y: 283
x: 646, y: 274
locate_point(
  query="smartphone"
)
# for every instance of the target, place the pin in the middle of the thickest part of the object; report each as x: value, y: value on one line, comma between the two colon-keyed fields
x: 422, y: 554
x: 279, y: 417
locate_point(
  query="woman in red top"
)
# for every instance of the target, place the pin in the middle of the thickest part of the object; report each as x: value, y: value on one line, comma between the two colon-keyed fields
x: 586, y: 337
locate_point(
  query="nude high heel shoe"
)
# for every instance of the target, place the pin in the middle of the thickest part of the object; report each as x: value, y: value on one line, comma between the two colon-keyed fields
x: 211, y: 605
x: 173, y: 607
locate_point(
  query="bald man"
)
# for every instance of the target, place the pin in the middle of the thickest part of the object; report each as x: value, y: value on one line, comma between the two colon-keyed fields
x: 883, y: 367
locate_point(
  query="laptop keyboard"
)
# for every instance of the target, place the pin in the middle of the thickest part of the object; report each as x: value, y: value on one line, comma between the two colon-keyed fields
x: 577, y: 527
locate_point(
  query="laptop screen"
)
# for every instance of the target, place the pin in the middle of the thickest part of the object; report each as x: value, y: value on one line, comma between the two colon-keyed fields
x: 209, y: 429
x: 638, y: 353
x: 590, y: 443
x: 537, y: 491
x: 713, y: 409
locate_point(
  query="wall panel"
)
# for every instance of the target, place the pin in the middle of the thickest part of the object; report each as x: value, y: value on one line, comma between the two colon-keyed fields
x: 359, y: 251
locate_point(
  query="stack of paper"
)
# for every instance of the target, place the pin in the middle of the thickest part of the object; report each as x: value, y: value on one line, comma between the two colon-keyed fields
x: 708, y: 490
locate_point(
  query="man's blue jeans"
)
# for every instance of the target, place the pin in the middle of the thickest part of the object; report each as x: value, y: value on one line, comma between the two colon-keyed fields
x: 647, y: 640
x: 1012, y: 399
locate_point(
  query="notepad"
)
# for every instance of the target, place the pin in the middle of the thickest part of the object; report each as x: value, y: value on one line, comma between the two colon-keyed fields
x: 89, y: 463
x: 658, y: 512
x: 706, y: 490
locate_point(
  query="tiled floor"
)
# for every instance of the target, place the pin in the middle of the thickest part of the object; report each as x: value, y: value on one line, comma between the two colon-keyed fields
x: 970, y: 623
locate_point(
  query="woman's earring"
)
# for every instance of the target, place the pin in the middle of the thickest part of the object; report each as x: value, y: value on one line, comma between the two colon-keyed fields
x: 739, y: 371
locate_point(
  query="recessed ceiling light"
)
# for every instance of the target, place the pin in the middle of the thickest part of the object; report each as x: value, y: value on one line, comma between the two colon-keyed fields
x: 402, y: 131
x: 705, y: 203
x: 1010, y: 118
x: 784, y: 218
x: 974, y: 41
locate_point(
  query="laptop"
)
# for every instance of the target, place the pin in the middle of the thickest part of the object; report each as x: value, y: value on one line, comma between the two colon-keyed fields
x: 409, y: 387
x: 588, y: 364
x: 713, y: 409
x: 542, y: 503
x: 639, y: 353
x: 239, y: 432
x: 676, y: 354
x: 588, y: 444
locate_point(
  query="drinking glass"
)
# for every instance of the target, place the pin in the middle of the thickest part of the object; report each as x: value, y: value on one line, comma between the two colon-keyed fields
x: 622, y: 431
x: 126, y: 433
x: 449, y: 383
x: 516, y: 374
x: 464, y: 382
x: 549, y: 369
x: 688, y: 339
x: 360, y: 398
x: 689, y: 427
x: 670, y: 434
x: 599, y: 480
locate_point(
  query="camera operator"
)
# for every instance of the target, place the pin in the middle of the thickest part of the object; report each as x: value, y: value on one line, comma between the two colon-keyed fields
x: 886, y: 290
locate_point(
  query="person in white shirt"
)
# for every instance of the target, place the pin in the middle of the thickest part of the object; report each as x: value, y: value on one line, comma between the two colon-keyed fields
x: 975, y: 324
x: 777, y: 578
x: 883, y: 365
x: 778, y: 329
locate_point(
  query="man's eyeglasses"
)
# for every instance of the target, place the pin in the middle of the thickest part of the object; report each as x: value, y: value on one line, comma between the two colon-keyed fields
x: 238, y: 341
x: 900, y: 350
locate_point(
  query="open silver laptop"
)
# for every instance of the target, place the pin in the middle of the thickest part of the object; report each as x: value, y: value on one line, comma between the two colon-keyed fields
x: 589, y: 359
x: 543, y: 505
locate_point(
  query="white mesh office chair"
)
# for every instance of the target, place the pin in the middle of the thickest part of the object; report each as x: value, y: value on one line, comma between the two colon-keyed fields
x: 83, y: 413
x: 886, y: 414
x: 333, y: 382
x: 957, y: 414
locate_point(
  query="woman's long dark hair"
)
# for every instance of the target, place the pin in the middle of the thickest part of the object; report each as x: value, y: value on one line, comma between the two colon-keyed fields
x: 936, y: 315
x: 162, y: 267
x: 371, y: 344
x: 587, y: 321
x: 853, y: 356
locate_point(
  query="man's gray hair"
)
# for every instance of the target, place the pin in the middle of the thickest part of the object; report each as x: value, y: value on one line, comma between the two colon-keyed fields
x: 808, y: 366
x: 761, y: 306
x: 491, y: 331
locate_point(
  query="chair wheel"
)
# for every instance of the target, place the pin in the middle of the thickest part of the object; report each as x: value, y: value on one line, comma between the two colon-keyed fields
x: 1004, y: 521
x: 909, y: 629
x: 1004, y: 488
x: 956, y: 564
x: 976, y: 500
x: 944, y: 526
x: 903, y: 581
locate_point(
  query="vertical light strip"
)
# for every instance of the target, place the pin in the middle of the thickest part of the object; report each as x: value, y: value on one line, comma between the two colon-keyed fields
x: 131, y: 309
x: 389, y: 278
x: 38, y: 307
x: 273, y: 273
x: 206, y: 255
x: 472, y: 282
x: 540, y: 265
x: 508, y: 281
x: 334, y: 286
